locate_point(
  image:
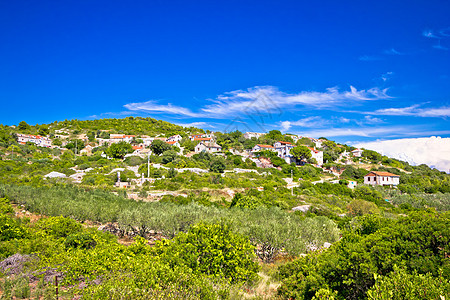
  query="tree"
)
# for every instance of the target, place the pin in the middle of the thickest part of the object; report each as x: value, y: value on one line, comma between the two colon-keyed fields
x: 168, y: 156
x: 43, y: 130
x: 217, y: 165
x: 372, y: 155
x: 119, y: 150
x: 301, y: 152
x: 23, y: 126
x: 158, y: 147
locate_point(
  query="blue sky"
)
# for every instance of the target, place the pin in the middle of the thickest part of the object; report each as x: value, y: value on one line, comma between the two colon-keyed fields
x: 351, y: 71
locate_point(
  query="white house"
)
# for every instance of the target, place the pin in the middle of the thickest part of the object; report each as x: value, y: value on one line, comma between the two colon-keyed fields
x: 174, y: 138
x: 207, y: 147
x: 41, y: 141
x: 260, y: 147
x: 357, y: 152
x: 87, y: 150
x: 200, y: 137
x: 317, y: 155
x: 381, y: 178
x: 283, y: 149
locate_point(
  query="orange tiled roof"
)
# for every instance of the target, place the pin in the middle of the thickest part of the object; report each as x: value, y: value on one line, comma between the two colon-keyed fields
x: 377, y: 173
x: 264, y: 146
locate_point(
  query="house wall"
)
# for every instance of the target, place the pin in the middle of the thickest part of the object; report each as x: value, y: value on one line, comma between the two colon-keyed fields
x: 381, y: 180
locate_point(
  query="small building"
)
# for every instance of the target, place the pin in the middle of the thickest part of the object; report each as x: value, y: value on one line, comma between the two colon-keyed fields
x: 38, y: 140
x: 357, y: 152
x: 137, y: 149
x: 381, y: 178
x: 198, y: 137
x: 260, y: 147
x: 87, y: 150
x: 352, y: 184
x: 317, y: 155
x: 174, y: 143
x: 207, y: 147
x: 174, y: 138
x: 283, y: 148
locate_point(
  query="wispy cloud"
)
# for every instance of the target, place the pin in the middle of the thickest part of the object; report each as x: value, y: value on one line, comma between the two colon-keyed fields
x: 428, y: 33
x: 392, y: 51
x: 386, y: 131
x: 438, y: 35
x: 386, y: 76
x: 372, y: 120
x: 265, y: 99
x: 415, y: 110
x: 310, y: 122
x: 194, y: 124
x: 370, y: 58
x: 153, y: 106
x: 439, y: 46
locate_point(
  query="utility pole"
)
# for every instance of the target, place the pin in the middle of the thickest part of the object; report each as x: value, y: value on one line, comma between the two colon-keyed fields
x: 292, y: 178
x: 148, y: 165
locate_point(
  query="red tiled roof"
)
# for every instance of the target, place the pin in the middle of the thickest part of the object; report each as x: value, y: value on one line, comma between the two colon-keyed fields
x: 171, y: 143
x: 377, y: 173
x: 202, y: 139
x: 314, y: 150
x: 285, y: 142
x: 137, y: 147
x: 264, y: 146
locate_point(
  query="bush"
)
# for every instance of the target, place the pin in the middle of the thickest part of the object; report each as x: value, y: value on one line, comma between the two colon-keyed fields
x: 10, y: 229
x: 59, y: 226
x: 212, y: 249
x: 80, y: 240
x: 134, y: 160
x: 399, y: 285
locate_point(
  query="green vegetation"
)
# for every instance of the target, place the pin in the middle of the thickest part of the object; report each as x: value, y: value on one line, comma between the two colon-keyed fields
x: 213, y: 225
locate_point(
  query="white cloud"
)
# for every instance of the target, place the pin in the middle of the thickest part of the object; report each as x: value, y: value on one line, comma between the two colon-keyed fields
x: 344, y: 120
x: 370, y: 58
x: 194, y: 124
x: 433, y: 151
x: 309, y: 122
x: 372, y: 120
x: 154, y: 107
x: 392, y: 51
x: 265, y: 99
x: 439, y: 46
x: 414, y: 110
x: 386, y: 76
x: 269, y: 99
x: 429, y: 34
x: 387, y: 131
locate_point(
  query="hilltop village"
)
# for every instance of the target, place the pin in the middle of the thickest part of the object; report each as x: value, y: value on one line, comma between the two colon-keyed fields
x: 139, y: 208
x: 248, y: 151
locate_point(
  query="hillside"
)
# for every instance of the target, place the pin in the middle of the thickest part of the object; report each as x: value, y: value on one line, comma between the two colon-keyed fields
x: 187, y: 213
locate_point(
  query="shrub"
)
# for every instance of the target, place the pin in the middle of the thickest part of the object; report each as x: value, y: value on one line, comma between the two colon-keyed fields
x: 80, y: 240
x: 212, y: 249
x: 399, y: 284
x: 59, y: 226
